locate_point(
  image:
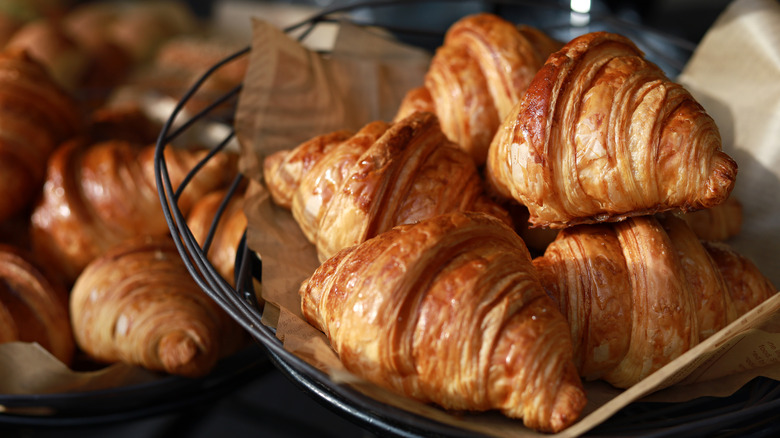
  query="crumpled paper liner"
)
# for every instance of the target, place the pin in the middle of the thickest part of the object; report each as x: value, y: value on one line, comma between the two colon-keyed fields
x: 282, y: 75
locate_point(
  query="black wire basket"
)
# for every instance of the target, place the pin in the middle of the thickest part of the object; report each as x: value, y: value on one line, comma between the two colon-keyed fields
x: 754, y: 409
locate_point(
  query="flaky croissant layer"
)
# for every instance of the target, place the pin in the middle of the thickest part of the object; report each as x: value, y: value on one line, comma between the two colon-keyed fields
x: 450, y: 311
x: 641, y: 292
x: 602, y: 134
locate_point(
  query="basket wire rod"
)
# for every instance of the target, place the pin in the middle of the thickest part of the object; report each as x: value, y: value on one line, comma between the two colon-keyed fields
x: 206, y: 110
x: 220, y: 212
x: 202, y: 272
x: 199, y: 165
x: 243, y: 276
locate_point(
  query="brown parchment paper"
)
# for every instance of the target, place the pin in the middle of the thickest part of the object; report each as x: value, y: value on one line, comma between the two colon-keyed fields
x: 269, y: 118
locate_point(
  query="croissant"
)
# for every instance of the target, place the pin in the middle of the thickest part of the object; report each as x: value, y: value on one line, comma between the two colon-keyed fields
x: 344, y: 187
x: 33, y: 308
x: 228, y: 231
x: 137, y: 303
x: 47, y: 41
x: 720, y: 222
x: 640, y: 292
x: 35, y: 116
x: 450, y: 310
x: 602, y: 134
x: 475, y: 78
x: 99, y: 194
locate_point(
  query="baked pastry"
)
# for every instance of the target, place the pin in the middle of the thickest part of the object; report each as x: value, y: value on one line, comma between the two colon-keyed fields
x: 137, y: 303
x: 602, y: 134
x: 35, y: 116
x: 89, y: 26
x: 99, y: 194
x: 475, y: 78
x: 641, y: 292
x: 227, y: 234
x: 140, y: 28
x: 450, y: 310
x: 720, y: 222
x: 50, y: 44
x: 181, y: 61
x: 344, y: 188
x: 33, y: 308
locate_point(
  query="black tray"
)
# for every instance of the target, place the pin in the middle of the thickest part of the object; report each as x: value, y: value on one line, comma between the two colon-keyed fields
x: 754, y: 409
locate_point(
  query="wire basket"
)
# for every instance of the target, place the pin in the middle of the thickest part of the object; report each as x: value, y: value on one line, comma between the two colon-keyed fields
x: 753, y: 409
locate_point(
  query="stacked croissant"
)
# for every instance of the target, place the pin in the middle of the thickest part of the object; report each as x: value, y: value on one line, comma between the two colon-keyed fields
x: 427, y: 286
x: 89, y: 270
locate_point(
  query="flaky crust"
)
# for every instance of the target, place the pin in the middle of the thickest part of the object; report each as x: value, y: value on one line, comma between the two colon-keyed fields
x: 641, y: 292
x: 475, y: 78
x: 602, y: 134
x: 33, y: 308
x: 137, y: 303
x: 351, y: 187
x: 450, y: 311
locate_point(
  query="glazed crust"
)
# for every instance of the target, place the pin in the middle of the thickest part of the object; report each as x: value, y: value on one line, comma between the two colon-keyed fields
x: 449, y: 310
x: 641, y: 292
x: 602, y: 135
x: 348, y: 188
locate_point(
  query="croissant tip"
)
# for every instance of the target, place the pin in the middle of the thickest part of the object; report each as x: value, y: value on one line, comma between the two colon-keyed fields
x: 182, y: 354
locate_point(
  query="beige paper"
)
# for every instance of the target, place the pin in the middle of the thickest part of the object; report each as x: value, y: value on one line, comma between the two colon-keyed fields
x: 292, y: 94
x: 718, y: 366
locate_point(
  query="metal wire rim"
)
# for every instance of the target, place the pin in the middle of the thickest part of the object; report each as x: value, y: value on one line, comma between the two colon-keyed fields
x: 239, y: 301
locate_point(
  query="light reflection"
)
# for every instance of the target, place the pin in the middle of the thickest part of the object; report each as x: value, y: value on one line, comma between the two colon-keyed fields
x: 580, y: 13
x: 581, y: 6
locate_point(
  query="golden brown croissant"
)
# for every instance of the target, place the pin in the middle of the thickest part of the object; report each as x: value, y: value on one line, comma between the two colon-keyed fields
x: 475, y: 78
x: 228, y: 232
x: 640, y: 292
x: 450, y: 310
x: 32, y: 307
x: 346, y: 188
x: 137, y: 303
x: 99, y: 194
x: 603, y: 134
x: 35, y: 116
